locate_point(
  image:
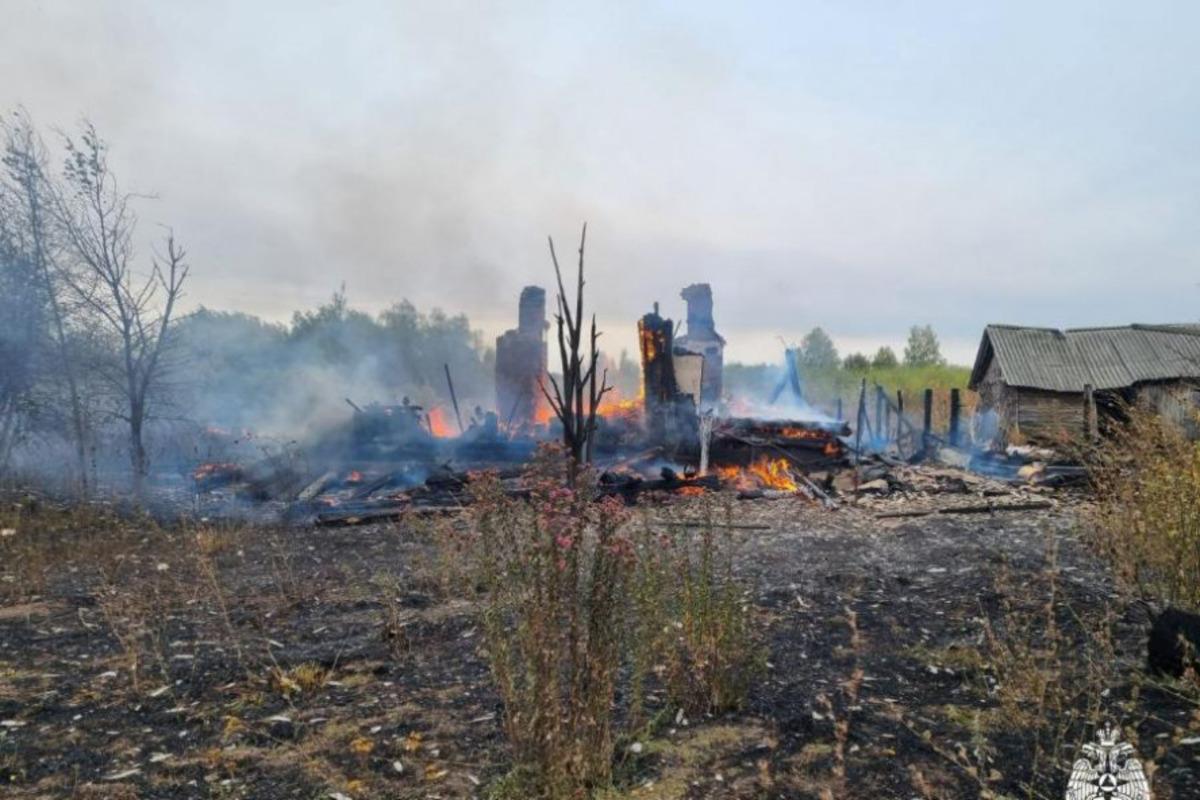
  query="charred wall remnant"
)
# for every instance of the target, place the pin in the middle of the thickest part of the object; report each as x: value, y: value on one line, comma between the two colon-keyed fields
x: 521, y: 361
x: 702, y: 338
x: 670, y: 412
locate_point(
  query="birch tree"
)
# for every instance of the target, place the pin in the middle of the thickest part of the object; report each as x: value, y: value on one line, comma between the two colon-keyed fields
x: 136, y: 309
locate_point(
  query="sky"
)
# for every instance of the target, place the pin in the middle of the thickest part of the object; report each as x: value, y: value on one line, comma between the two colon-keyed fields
x: 861, y: 166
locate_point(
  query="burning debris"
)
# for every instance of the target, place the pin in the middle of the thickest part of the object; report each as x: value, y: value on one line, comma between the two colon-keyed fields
x: 671, y: 380
x: 674, y: 437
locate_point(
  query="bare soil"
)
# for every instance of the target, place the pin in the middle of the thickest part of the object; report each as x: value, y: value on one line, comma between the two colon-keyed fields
x: 284, y: 663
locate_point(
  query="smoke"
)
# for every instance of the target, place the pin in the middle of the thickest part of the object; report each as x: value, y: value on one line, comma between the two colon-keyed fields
x: 293, y: 381
x: 433, y: 146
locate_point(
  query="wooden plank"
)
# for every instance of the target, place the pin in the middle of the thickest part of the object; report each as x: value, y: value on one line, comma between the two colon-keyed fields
x: 983, y: 508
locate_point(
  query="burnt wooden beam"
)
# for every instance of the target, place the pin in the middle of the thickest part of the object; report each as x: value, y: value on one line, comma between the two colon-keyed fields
x: 983, y: 508
x: 454, y: 398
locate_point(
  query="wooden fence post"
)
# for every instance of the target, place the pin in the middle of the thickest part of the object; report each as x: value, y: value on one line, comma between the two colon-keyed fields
x: 955, y: 416
x: 886, y: 432
x: 1090, y: 423
x: 927, y: 428
x: 859, y: 422
x: 880, y: 430
x: 899, y: 413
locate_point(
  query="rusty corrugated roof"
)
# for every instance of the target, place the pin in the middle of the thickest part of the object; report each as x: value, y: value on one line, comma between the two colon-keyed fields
x: 1106, y: 358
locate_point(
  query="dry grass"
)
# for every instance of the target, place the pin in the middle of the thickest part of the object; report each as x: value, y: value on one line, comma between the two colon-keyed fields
x: 1147, y: 519
x: 1044, y: 672
x: 692, y: 621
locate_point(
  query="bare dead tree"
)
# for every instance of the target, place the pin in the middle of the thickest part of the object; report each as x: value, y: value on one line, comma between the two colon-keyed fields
x: 33, y: 196
x: 136, y: 310
x: 575, y: 401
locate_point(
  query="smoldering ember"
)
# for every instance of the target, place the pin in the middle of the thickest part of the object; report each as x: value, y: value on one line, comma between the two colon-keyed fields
x: 853, y: 452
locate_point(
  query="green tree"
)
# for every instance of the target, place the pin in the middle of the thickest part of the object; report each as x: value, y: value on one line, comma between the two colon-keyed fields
x: 885, y: 357
x: 923, y: 349
x: 817, y: 350
x: 856, y: 362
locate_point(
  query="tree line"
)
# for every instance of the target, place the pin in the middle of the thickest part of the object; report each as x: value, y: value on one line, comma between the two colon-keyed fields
x: 817, y: 351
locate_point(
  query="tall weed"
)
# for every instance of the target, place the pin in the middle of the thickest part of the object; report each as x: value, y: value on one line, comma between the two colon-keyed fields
x: 582, y: 606
x: 1146, y: 521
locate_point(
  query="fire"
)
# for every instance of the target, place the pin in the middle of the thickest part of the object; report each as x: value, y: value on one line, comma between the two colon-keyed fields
x: 792, y: 432
x: 212, y: 470
x: 832, y: 448
x: 614, y: 405
x: 766, y: 473
x: 438, y: 425
x: 354, y: 476
x: 728, y: 473
x: 775, y: 474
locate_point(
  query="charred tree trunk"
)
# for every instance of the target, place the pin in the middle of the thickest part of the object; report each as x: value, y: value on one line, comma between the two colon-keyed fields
x: 575, y: 401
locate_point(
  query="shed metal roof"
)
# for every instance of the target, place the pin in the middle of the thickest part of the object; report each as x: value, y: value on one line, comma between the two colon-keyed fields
x: 1106, y: 358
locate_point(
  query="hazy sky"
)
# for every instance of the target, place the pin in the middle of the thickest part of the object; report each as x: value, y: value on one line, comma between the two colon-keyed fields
x: 857, y: 165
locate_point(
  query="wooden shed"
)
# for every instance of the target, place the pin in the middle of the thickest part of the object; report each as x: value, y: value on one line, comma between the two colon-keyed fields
x: 1034, y: 384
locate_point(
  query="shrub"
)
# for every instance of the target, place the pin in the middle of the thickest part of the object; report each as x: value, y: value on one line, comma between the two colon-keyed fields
x: 554, y: 571
x: 1147, y: 517
x: 580, y: 606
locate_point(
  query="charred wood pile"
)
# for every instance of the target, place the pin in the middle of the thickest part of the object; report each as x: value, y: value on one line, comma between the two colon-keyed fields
x: 355, y: 497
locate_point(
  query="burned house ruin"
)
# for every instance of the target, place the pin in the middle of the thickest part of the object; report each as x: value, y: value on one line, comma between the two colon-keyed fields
x: 671, y: 378
x: 1046, y: 385
x: 521, y: 362
x: 702, y: 338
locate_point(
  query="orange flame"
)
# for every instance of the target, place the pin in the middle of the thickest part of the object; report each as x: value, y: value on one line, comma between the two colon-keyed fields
x: 614, y: 405
x: 775, y: 474
x: 793, y: 432
x: 438, y: 425
x: 209, y: 470
x: 765, y: 473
